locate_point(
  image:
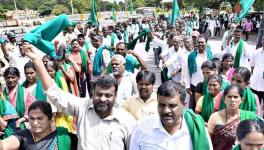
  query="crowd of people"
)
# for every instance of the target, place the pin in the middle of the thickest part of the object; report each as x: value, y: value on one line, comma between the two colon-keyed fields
x: 92, y: 90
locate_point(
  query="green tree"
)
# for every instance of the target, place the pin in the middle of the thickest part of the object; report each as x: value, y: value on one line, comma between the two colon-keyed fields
x: 139, y: 3
x: 60, y: 9
x: 46, y: 7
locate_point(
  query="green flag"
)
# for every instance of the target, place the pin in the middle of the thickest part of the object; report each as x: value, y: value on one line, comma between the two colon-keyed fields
x: 245, y: 6
x: 113, y: 15
x: 92, y: 19
x: 131, y: 7
x: 175, y: 12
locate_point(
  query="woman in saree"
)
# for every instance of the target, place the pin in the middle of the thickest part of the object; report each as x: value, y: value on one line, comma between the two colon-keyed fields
x: 41, y: 135
x: 250, y: 135
x: 32, y: 84
x: 227, y: 69
x: 8, y: 117
x: 241, y: 76
x: 210, y: 102
x: 222, y: 124
x: 61, y: 119
x: 17, y: 95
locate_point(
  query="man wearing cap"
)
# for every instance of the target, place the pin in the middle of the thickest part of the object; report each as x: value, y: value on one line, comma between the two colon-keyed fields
x: 11, y: 47
x: 195, y: 35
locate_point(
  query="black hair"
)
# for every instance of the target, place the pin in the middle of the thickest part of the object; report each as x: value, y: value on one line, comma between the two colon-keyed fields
x: 216, y: 77
x: 244, y: 72
x: 146, y: 76
x: 30, y: 64
x: 227, y: 55
x: 119, y: 43
x: 204, y: 37
x: 209, y: 64
x: 53, y: 65
x: 247, y: 126
x: 106, y: 82
x: 237, y: 30
x: 11, y: 71
x: 233, y: 86
x: 80, y: 36
x: 74, y: 40
x: 44, y: 107
x: 171, y: 88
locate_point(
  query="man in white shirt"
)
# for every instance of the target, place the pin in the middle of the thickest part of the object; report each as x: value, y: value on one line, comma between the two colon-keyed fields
x: 236, y: 46
x: 173, y: 127
x: 127, y: 85
x: 99, y: 124
x: 226, y: 35
x: 257, y: 70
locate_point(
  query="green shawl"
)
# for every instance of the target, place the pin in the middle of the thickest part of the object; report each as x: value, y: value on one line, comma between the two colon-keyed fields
x: 125, y: 36
x: 245, y: 115
x: 84, y: 61
x: 98, y: 60
x: 57, y: 79
x: 64, y: 141
x: 238, y: 54
x: 192, y: 66
x: 112, y: 39
x: 20, y: 102
x: 39, y: 92
x: 197, y: 131
x: 132, y: 44
x: 249, y: 101
x: 207, y: 106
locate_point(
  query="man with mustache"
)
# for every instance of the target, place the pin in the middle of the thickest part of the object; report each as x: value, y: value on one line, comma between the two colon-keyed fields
x: 126, y: 81
x: 145, y: 103
x: 194, y: 72
x: 174, y: 127
x: 99, y: 124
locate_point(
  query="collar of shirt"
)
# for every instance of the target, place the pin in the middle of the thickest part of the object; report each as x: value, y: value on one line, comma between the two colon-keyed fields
x: 153, y: 97
x: 183, y: 130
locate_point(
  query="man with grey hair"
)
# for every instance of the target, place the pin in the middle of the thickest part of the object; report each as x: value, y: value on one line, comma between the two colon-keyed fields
x: 126, y: 81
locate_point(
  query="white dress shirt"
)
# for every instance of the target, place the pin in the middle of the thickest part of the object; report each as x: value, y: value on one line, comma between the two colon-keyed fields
x: 94, y: 133
x: 198, y: 75
x: 257, y: 78
x: 245, y: 56
x: 149, y: 134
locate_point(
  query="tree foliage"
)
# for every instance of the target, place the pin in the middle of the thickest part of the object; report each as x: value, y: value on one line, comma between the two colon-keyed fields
x: 60, y: 9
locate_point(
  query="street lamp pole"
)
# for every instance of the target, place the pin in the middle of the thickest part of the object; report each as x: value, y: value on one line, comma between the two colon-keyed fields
x: 71, y: 7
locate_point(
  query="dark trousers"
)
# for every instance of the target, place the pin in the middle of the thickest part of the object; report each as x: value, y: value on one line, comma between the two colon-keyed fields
x: 260, y: 95
x: 247, y: 34
x: 217, y: 31
x: 157, y: 52
x: 81, y: 85
x: 192, y: 103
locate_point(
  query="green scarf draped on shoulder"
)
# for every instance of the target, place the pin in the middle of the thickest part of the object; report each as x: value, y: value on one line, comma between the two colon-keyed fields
x: 84, y: 61
x: 192, y: 66
x: 237, y: 147
x: 57, y: 79
x: 207, y: 106
x: 112, y: 39
x: 20, y: 102
x: 64, y: 141
x: 249, y: 101
x: 39, y: 92
x: 144, y: 32
x: 238, y: 54
x: 98, y: 60
x: 245, y: 115
x: 197, y: 131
